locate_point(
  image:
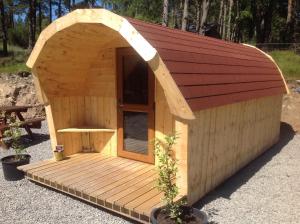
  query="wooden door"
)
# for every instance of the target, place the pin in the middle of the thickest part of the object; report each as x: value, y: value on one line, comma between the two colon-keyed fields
x: 135, y: 93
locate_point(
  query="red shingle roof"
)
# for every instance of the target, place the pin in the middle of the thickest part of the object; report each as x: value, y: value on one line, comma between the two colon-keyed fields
x: 211, y: 72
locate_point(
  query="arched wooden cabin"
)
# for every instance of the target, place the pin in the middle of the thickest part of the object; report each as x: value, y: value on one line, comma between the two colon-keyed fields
x: 112, y: 84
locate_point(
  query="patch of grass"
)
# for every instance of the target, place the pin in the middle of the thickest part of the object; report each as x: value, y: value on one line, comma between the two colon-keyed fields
x: 289, y: 63
x: 13, y: 68
x: 15, y: 61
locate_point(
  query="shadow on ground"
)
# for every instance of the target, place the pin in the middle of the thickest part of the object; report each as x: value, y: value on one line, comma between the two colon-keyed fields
x: 37, y: 139
x: 241, y: 177
x: 28, y: 142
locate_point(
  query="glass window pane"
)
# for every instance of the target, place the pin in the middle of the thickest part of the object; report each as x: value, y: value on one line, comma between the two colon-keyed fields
x: 136, y: 132
x: 135, y: 80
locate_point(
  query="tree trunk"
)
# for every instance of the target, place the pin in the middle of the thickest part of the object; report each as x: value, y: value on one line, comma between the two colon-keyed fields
x: 198, y: 15
x: 50, y: 11
x: 185, y: 15
x: 224, y: 21
x: 221, y: 17
x: 4, y: 28
x: 40, y: 15
x: 69, y: 5
x: 268, y: 21
x: 177, y: 11
x: 59, y: 9
x: 32, y: 20
x: 290, y: 21
x: 205, y: 8
x: 10, y: 22
x: 165, y: 13
x: 229, y: 20
x: 236, y: 31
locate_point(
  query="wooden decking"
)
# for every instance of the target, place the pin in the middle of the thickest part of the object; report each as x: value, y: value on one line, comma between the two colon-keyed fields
x: 122, y: 185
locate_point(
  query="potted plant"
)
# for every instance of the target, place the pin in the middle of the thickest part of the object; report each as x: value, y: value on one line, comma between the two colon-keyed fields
x: 173, y: 211
x: 2, y: 126
x: 10, y: 163
x: 59, y: 152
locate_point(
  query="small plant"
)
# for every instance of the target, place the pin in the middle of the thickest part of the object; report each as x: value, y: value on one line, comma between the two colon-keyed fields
x: 14, y: 133
x: 166, y: 182
x: 58, y: 152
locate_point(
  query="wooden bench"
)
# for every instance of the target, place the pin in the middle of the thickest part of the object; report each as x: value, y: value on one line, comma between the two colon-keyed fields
x: 27, y: 123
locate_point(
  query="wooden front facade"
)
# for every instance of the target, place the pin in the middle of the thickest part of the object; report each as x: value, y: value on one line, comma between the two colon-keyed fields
x: 222, y: 99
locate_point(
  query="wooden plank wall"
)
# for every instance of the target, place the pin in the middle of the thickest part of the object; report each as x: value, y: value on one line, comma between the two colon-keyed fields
x: 224, y: 139
x: 94, y: 107
x: 165, y: 124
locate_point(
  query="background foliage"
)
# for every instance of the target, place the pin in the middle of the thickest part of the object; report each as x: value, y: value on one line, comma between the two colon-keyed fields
x: 266, y: 23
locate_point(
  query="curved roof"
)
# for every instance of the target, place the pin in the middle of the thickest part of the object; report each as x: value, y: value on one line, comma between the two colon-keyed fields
x: 211, y: 72
x: 196, y: 72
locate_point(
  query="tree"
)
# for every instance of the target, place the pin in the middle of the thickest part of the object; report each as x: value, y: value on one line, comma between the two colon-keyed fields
x: 224, y: 20
x: 59, y: 9
x: 50, y: 10
x: 165, y: 16
x: 32, y: 23
x: 4, y: 28
x: 262, y: 13
x: 229, y: 20
x: 290, y: 21
x: 221, y: 16
x: 205, y: 8
x: 40, y: 15
x: 185, y: 15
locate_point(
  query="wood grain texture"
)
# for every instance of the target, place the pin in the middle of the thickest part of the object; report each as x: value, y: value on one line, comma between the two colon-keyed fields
x: 66, y: 112
x: 224, y: 139
x: 167, y: 124
x: 120, y: 185
x: 75, y: 40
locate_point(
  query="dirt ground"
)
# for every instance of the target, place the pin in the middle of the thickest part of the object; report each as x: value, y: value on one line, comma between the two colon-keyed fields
x: 18, y: 89
x: 291, y: 106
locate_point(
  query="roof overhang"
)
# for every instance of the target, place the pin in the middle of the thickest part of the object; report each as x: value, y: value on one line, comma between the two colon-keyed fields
x: 177, y: 103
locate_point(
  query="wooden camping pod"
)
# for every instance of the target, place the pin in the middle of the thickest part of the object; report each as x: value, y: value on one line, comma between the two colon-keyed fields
x: 223, y: 99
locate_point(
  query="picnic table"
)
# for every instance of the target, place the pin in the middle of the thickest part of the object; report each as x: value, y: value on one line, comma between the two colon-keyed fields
x: 27, y: 124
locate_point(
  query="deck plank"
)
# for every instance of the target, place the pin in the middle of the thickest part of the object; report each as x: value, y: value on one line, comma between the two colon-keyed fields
x: 109, y: 179
x: 48, y: 162
x: 64, y: 167
x: 121, y: 180
x: 143, y: 190
x: 101, y: 176
x: 71, y: 169
x: 131, y: 184
x: 56, y: 164
x: 121, y: 185
x: 93, y: 174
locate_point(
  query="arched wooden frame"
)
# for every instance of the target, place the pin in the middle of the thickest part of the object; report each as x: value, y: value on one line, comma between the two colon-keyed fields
x: 177, y: 104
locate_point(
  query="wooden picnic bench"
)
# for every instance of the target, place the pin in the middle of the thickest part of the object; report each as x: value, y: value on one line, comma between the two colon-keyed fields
x: 27, y: 123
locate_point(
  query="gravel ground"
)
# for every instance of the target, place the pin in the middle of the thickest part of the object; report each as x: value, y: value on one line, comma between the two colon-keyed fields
x: 25, y: 202
x: 266, y: 191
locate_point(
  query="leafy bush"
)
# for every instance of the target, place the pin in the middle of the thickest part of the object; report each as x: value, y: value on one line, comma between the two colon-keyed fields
x: 14, y: 132
x: 167, y: 170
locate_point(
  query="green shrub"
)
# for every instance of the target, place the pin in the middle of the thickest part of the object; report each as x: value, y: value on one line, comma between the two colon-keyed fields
x: 14, y: 133
x: 167, y: 170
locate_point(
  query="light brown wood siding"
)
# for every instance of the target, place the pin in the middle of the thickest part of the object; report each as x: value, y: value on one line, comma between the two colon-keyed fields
x: 165, y: 124
x: 92, y: 106
x: 224, y: 139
